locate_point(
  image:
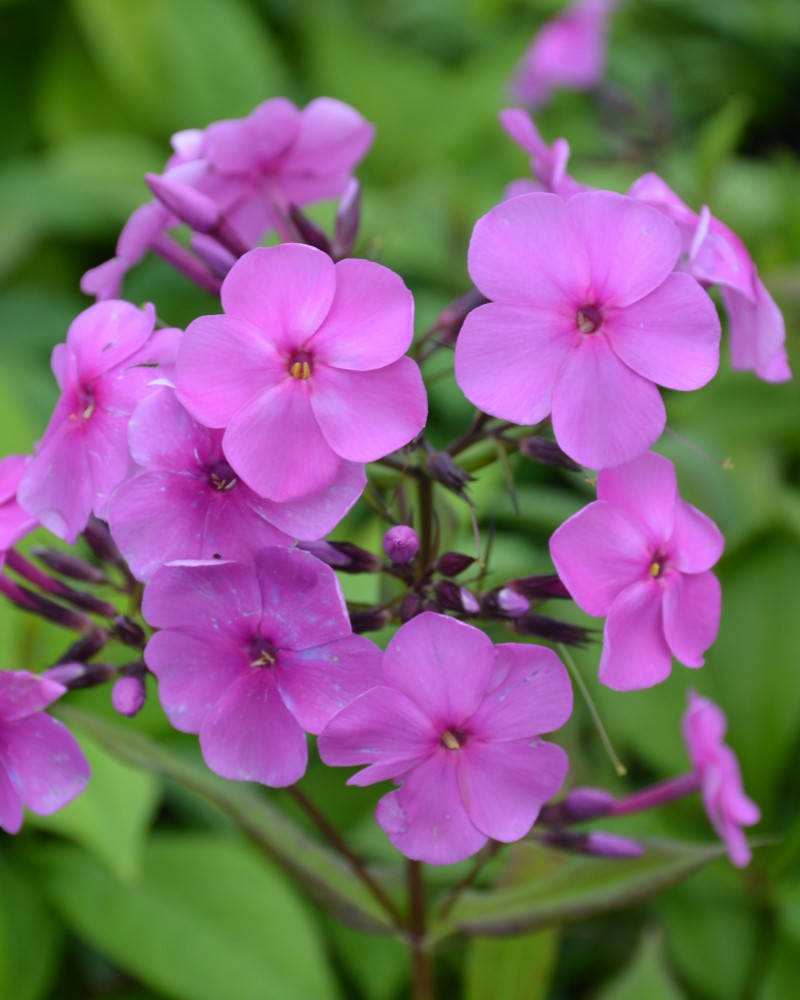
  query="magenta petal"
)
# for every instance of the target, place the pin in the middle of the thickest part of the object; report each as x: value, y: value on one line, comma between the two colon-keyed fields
x: 647, y: 490
x: 23, y: 694
x: 631, y: 247
x: 523, y: 253
x: 598, y: 553
x: 223, y: 595
x: 531, y: 694
x: 331, y: 138
x: 10, y: 802
x: 507, y: 359
x: 443, y: 665
x: 365, y: 415
x: 286, y: 291
x: 504, y: 785
x: 311, y: 517
x: 223, y: 363
x: 107, y: 333
x: 696, y: 543
x: 635, y: 652
x: 275, y: 444
x: 162, y: 435
x: 250, y: 735
x: 240, y: 146
x: 671, y: 336
x: 757, y: 334
x: 425, y: 819
x: 44, y: 762
x: 604, y: 414
x: 382, y: 728
x: 692, y: 605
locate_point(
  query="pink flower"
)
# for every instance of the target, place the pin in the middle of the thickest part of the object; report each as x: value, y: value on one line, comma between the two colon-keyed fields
x: 187, y: 503
x: 455, y: 724
x: 717, y: 768
x: 252, y: 659
x: 548, y: 163
x: 586, y: 318
x: 569, y: 51
x: 15, y: 523
x: 640, y: 556
x: 41, y: 765
x: 103, y: 371
x: 305, y: 369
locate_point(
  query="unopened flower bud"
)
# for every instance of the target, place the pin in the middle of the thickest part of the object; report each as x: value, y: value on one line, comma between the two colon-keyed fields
x: 546, y: 451
x: 587, y: 803
x: 219, y: 258
x: 453, y: 563
x: 81, y: 675
x: 344, y: 556
x: 128, y: 694
x: 129, y: 632
x: 401, y: 544
x: 68, y: 565
x: 451, y: 597
x: 197, y: 210
x: 86, y: 647
x: 451, y: 318
x: 541, y: 587
x: 348, y: 218
x: 609, y: 845
x: 308, y: 231
x: 445, y: 471
x: 371, y: 620
x: 511, y: 603
x: 551, y: 628
x: 411, y: 606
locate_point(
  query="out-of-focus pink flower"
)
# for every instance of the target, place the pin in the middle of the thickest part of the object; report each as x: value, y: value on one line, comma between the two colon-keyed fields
x: 41, y: 765
x: 15, y: 523
x: 568, y: 52
x: 103, y: 370
x: 455, y: 723
x: 305, y: 368
x: 715, y: 255
x: 640, y: 557
x: 548, y: 163
x: 715, y: 764
x: 252, y: 659
x: 186, y: 502
x: 586, y: 319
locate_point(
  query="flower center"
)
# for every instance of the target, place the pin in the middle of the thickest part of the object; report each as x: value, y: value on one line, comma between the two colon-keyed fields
x: 453, y: 739
x: 588, y: 319
x: 263, y: 653
x: 222, y: 477
x: 657, y: 567
x: 300, y: 366
x: 85, y: 405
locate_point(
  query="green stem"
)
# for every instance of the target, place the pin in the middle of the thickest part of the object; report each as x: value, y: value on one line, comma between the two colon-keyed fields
x: 422, y: 982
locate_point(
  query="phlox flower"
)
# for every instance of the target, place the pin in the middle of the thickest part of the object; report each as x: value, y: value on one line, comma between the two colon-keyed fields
x: 716, y: 766
x: 41, y: 765
x: 103, y: 370
x: 185, y: 502
x: 15, y: 523
x: 640, y: 557
x: 586, y: 318
x: 569, y: 52
x: 455, y: 723
x: 304, y: 369
x: 253, y: 657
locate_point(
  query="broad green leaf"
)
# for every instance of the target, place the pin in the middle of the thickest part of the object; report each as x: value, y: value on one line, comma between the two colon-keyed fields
x: 645, y: 976
x: 378, y: 965
x: 111, y: 818
x: 580, y: 887
x: 782, y: 969
x: 317, y: 867
x: 518, y: 968
x: 30, y: 940
x: 206, y: 919
x: 720, y: 137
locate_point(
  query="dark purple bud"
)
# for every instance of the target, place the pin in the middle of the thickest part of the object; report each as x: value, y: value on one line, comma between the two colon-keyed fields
x: 411, y: 606
x: 86, y: 647
x: 308, y: 231
x: 445, y: 471
x: 56, y: 613
x: 128, y: 632
x: 129, y: 693
x: 348, y: 219
x: 451, y: 318
x: 451, y: 597
x: 511, y: 603
x: 609, y: 845
x: 371, y: 620
x: 81, y: 675
x: 401, y: 544
x: 219, y: 258
x: 541, y: 587
x: 197, y: 210
x: 345, y: 556
x: 551, y: 628
x: 99, y: 540
x: 546, y: 451
x: 70, y: 566
x: 453, y: 563
x: 65, y: 673
x: 587, y: 803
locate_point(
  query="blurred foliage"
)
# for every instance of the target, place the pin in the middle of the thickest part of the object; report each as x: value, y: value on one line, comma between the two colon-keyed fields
x: 92, y: 904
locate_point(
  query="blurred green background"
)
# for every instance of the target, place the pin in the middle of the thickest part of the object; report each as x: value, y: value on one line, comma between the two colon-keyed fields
x: 139, y: 890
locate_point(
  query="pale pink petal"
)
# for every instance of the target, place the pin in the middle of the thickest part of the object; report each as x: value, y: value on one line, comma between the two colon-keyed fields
x: 223, y: 363
x: 285, y: 291
x: 507, y: 359
x: 105, y: 280
x: 371, y: 320
x: 12, y: 469
x: 727, y: 805
x: 331, y: 138
x: 240, y: 146
x: 719, y: 257
x: 224, y: 595
x: 250, y: 735
x: 604, y: 414
x: 44, y: 762
x: 598, y: 553
x: 692, y: 605
x: 631, y: 247
x: 142, y: 227
x: 503, y: 785
x: 10, y: 802
x: 105, y: 444
x: 647, y: 490
x: 302, y: 601
x: 530, y: 694
x: 523, y: 252
x: 311, y: 517
x: 443, y: 665
x: 15, y: 523
x: 635, y: 652
x: 107, y: 333
x: 757, y: 334
x: 425, y: 818
x: 366, y: 415
x: 317, y: 683
x: 671, y: 336
x: 163, y: 436
x: 696, y: 542
x: 704, y: 726
x: 650, y: 188
x: 23, y: 694
x: 275, y: 444
x: 382, y: 728
x: 194, y: 670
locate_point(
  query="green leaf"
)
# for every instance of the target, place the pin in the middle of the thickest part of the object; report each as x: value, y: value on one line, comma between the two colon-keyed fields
x: 645, y: 976
x: 206, y: 919
x: 30, y: 940
x: 517, y: 968
x: 580, y: 887
x: 318, y: 868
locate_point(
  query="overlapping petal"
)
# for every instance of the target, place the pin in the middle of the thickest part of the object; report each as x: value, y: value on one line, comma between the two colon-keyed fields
x: 635, y: 652
x: 44, y: 762
x: 647, y: 490
x: 692, y: 605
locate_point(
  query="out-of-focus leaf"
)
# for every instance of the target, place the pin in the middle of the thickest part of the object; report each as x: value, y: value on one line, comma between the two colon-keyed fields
x: 644, y: 977
x: 720, y: 137
x: 111, y: 818
x: 378, y: 965
x: 30, y: 940
x: 516, y: 968
x: 782, y: 972
x: 320, y: 870
x: 206, y: 919
x: 581, y: 887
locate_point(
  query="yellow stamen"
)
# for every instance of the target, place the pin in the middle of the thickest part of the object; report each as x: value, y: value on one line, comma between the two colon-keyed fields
x: 450, y: 740
x: 655, y: 569
x: 222, y: 484
x: 300, y: 370
x: 265, y: 660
